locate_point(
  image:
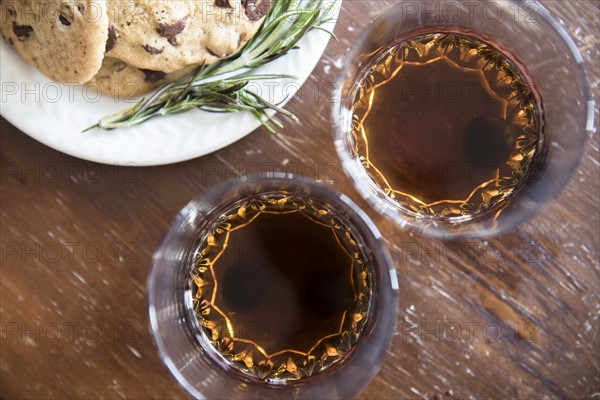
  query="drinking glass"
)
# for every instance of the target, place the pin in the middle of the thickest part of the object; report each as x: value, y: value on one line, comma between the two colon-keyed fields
x: 527, y: 34
x: 177, y: 333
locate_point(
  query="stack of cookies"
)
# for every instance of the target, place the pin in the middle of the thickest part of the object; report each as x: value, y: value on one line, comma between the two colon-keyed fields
x: 127, y: 47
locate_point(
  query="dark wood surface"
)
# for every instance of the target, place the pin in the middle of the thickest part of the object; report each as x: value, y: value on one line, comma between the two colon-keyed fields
x: 514, y: 316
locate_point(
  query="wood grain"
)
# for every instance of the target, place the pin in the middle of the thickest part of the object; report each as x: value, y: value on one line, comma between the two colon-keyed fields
x: 512, y: 317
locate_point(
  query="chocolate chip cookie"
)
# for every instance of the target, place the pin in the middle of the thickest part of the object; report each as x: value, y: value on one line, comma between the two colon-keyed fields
x: 169, y: 35
x: 63, y: 39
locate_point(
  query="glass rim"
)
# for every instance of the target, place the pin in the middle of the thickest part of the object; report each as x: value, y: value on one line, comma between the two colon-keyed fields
x: 382, y: 264
x: 438, y: 227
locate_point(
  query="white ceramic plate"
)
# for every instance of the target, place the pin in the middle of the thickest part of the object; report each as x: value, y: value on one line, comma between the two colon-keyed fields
x: 56, y: 114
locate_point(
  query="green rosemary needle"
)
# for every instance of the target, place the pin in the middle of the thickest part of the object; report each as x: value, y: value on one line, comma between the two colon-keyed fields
x: 223, y: 86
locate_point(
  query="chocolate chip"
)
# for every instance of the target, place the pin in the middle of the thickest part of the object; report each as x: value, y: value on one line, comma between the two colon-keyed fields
x: 64, y: 20
x: 113, y: 34
x: 152, y: 50
x: 222, y: 3
x: 171, y: 30
x: 153, y: 76
x: 11, y: 41
x: 255, y: 12
x: 22, y: 30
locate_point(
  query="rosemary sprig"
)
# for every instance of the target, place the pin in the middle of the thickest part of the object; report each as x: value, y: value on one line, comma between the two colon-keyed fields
x: 222, y: 86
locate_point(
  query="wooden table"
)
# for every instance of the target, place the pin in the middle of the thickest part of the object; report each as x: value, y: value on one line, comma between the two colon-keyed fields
x: 516, y: 316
